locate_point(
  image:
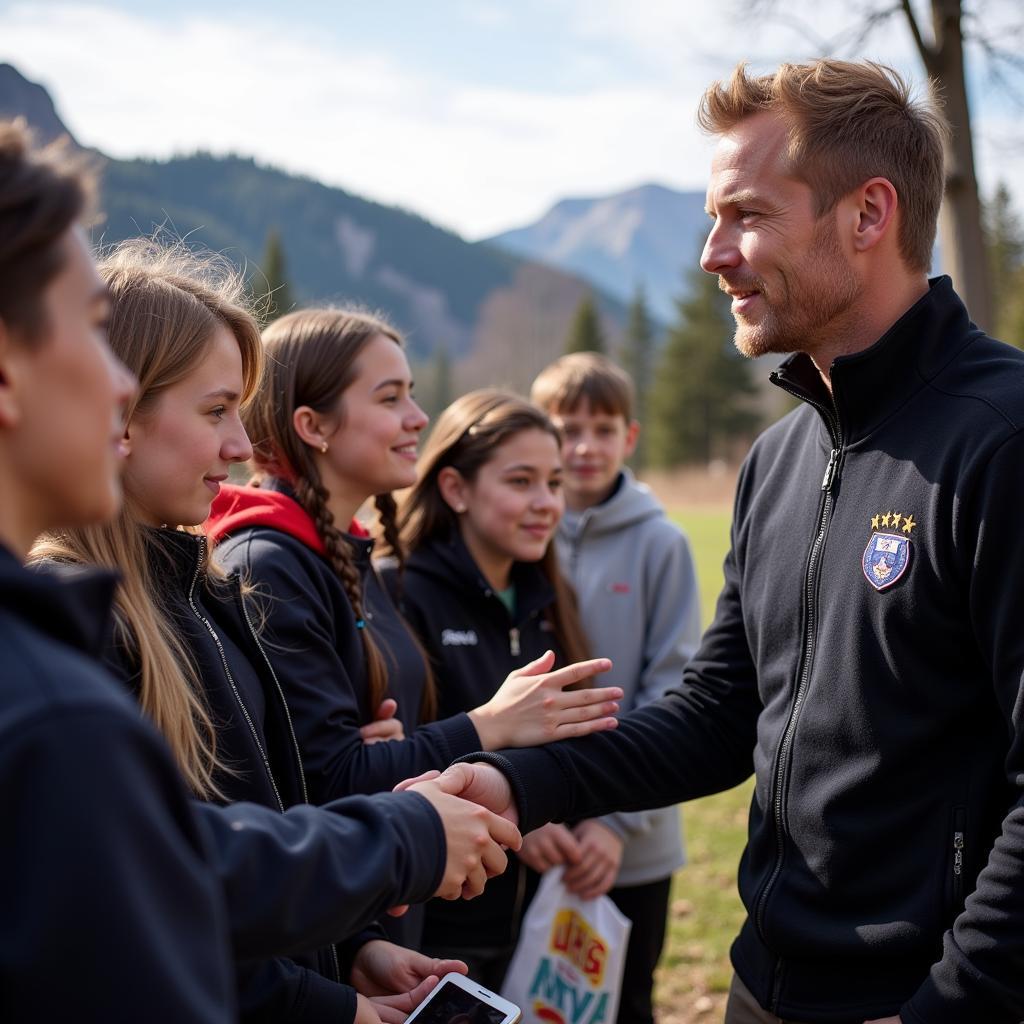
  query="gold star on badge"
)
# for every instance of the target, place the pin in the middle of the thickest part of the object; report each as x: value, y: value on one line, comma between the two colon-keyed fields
x: 909, y: 523
x: 885, y: 519
x: 874, y: 522
x: 896, y: 517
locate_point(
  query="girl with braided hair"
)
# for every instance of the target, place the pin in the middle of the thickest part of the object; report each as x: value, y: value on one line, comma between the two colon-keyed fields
x: 333, y: 425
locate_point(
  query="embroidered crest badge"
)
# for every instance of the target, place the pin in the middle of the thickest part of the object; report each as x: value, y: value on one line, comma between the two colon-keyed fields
x: 885, y: 559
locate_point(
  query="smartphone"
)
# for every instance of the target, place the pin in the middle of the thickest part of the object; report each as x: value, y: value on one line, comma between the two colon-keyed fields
x: 460, y: 1000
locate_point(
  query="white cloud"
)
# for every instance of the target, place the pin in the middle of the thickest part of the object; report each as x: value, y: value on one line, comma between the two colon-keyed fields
x: 478, y: 159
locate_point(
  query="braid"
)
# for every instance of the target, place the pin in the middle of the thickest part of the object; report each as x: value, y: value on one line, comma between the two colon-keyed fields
x: 387, y: 513
x: 312, y: 496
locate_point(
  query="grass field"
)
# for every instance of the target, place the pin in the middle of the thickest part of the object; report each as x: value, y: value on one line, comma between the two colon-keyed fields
x: 705, y: 913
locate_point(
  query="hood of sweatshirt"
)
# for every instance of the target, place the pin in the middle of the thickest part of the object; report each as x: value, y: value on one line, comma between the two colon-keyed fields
x: 238, y: 507
x: 631, y: 503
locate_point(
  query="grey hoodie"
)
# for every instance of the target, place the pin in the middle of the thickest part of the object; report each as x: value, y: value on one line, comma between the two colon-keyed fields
x: 633, y: 572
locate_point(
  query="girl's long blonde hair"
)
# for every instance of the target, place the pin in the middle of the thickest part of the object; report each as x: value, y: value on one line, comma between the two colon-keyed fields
x: 465, y: 437
x: 311, y: 359
x: 167, y: 302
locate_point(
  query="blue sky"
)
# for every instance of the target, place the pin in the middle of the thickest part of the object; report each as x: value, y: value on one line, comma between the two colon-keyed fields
x: 478, y: 114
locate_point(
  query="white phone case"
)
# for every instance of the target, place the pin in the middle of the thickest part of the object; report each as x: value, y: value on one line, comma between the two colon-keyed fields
x: 470, y: 1001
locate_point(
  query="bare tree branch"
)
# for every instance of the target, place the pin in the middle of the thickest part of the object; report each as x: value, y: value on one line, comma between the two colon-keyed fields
x: 926, y: 51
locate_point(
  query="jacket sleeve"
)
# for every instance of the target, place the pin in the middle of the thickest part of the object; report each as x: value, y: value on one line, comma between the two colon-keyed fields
x: 312, y: 643
x: 284, y: 992
x: 697, y: 739
x: 313, y: 875
x: 110, y: 912
x: 979, y: 975
x: 672, y: 602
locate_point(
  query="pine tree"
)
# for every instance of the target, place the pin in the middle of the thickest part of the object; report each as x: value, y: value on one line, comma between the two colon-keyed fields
x: 585, y: 334
x: 271, y: 291
x: 637, y: 360
x: 442, y: 382
x: 1004, y: 237
x: 700, y: 400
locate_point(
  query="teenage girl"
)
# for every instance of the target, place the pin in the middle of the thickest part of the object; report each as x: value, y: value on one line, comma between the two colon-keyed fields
x: 334, y: 425
x: 187, y: 638
x: 483, y: 591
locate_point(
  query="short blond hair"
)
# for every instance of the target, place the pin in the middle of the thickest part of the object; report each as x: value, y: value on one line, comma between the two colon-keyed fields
x: 564, y: 385
x: 849, y: 121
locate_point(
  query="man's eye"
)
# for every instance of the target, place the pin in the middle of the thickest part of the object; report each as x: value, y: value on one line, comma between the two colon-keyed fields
x: 219, y: 412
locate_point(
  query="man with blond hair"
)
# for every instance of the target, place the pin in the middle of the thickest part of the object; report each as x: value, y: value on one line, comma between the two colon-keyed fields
x: 866, y: 657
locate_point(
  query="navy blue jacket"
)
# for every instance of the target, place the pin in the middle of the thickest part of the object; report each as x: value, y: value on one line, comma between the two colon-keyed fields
x: 109, y: 910
x: 311, y: 631
x: 135, y: 897
x: 866, y: 662
x: 255, y: 739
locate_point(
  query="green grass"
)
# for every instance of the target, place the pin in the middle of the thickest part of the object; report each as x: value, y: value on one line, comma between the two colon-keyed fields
x: 705, y: 912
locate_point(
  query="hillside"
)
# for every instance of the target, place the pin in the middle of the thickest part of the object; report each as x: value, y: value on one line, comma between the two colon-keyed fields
x: 499, y: 316
x: 649, y: 235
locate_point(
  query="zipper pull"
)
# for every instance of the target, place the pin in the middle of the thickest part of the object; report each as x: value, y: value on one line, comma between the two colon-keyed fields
x: 958, y: 852
x: 830, y: 470
x: 513, y: 642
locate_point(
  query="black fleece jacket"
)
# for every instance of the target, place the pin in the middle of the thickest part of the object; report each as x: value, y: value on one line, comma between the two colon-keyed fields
x: 125, y: 901
x: 310, y: 629
x: 866, y: 662
x: 474, y: 643
x: 110, y: 913
x: 256, y: 744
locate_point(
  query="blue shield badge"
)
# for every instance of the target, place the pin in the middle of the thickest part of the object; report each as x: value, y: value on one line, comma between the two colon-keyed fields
x: 885, y: 559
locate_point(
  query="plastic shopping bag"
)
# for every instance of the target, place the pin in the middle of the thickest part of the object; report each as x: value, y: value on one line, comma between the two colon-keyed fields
x: 567, y: 967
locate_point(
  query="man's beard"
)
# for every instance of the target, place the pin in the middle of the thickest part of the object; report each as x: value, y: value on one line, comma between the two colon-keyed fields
x: 812, y: 293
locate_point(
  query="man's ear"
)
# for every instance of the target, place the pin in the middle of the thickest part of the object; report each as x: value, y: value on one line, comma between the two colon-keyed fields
x: 310, y: 426
x: 10, y: 399
x: 875, y: 207
x: 453, y: 487
x: 632, y: 436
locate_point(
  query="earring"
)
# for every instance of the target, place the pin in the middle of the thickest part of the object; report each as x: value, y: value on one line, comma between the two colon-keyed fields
x: 460, y: 509
x: 323, y: 447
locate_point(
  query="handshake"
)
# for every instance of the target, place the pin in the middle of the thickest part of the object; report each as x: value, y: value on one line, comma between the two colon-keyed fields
x: 479, y: 815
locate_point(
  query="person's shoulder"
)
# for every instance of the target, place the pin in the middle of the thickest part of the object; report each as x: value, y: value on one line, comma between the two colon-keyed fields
x: 260, y: 549
x: 989, y: 376
x: 48, y: 681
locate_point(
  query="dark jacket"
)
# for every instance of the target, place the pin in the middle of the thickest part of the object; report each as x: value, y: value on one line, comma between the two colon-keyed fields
x: 109, y: 911
x: 474, y: 644
x: 866, y: 663
x: 254, y: 741
x: 311, y: 631
x: 117, y: 883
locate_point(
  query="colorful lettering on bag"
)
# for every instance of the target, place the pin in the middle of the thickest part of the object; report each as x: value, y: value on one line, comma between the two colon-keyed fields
x: 556, y: 1000
x: 573, y: 938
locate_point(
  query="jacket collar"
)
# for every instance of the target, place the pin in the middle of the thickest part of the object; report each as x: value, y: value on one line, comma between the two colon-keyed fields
x: 273, y: 504
x: 450, y: 562
x: 66, y: 602
x: 868, y: 386
x: 175, y: 555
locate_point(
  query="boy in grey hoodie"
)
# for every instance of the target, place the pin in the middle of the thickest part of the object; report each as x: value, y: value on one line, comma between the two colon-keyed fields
x: 633, y: 573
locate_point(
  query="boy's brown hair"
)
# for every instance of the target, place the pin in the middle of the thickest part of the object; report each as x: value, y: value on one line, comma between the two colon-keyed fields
x: 43, y: 193
x: 849, y: 121
x: 584, y: 377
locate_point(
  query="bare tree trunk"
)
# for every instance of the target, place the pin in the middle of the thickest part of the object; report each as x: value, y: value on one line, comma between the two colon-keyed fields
x: 960, y: 230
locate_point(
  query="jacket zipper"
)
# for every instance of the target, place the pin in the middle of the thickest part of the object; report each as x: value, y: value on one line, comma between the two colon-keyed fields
x: 295, y: 743
x: 513, y: 642
x: 227, y: 671
x: 280, y: 693
x: 810, y: 583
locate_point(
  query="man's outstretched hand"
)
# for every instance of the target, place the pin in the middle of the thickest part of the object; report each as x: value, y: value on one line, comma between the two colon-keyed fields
x: 480, y: 783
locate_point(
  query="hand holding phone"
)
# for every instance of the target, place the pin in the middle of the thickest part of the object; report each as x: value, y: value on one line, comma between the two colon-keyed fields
x: 460, y: 1000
